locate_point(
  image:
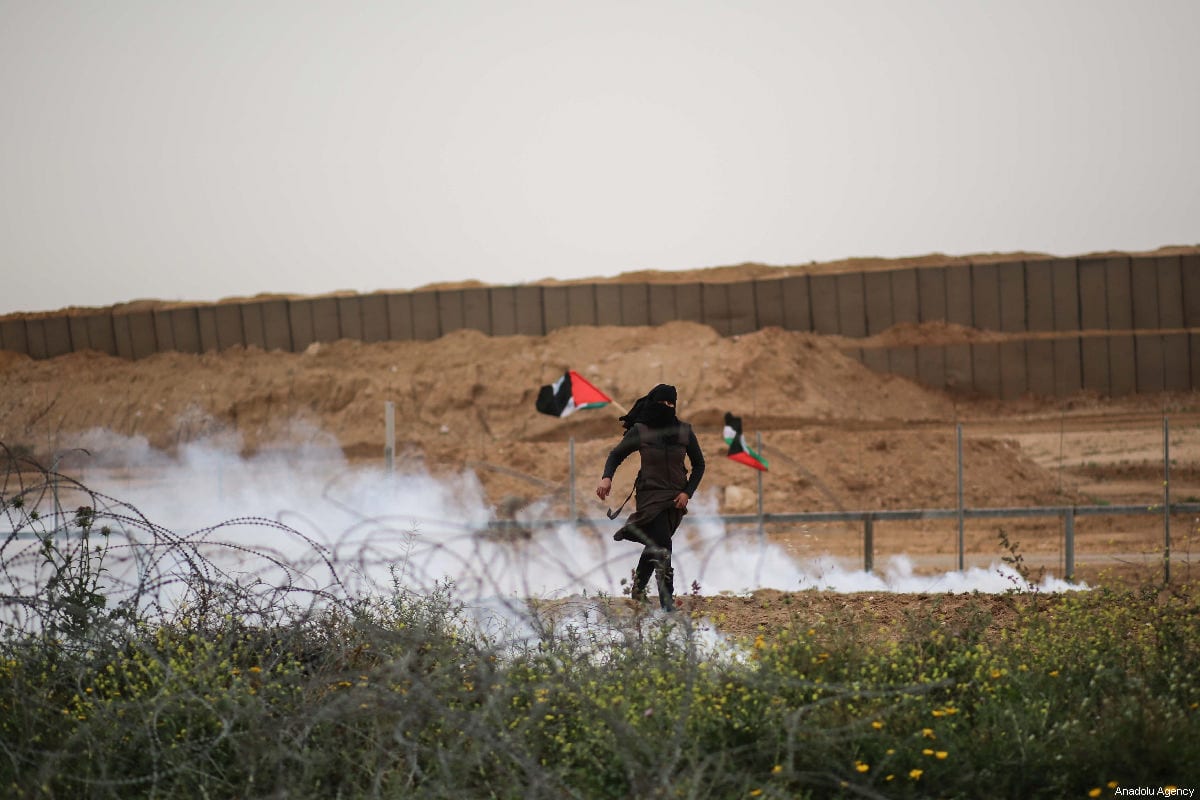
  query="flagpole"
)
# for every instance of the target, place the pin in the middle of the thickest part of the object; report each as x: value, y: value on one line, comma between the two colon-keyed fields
x: 758, y: 439
x: 571, y: 479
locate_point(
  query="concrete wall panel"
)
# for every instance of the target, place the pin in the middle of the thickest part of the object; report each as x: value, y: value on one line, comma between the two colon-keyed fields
x: 581, y: 304
x: 477, y: 308
x: 1014, y: 378
x: 1093, y: 358
x: 529, y: 310
x: 349, y: 318
x: 162, y: 329
x: 252, y: 325
x: 450, y: 310
x: 426, y: 324
x: 141, y: 334
x: 714, y: 299
x: 277, y: 329
x: 1092, y: 297
x: 877, y: 301
x: 300, y: 323
x: 768, y: 302
x: 635, y: 304
x: 661, y: 299
x: 229, y: 326
x: 1119, y: 286
x: 1194, y: 358
x: 985, y: 367
x: 374, y: 318
x: 742, y: 315
x: 823, y: 296
x: 554, y: 308
x: 1143, y: 275
x: 121, y: 337
x: 206, y: 317
x: 1068, y: 365
x: 1011, y: 279
x: 875, y: 359
x: 185, y: 329
x: 1176, y: 371
x: 852, y: 306
x: 1039, y: 296
x: 877, y: 287
x: 1039, y: 366
x: 100, y: 333
x: 12, y: 336
x: 58, y: 336
x: 504, y: 310
x: 400, y: 317
x: 326, y: 325
x: 906, y: 296
x: 1122, y: 365
x: 1170, y: 293
x: 985, y: 297
x: 902, y: 361
x: 608, y: 304
x: 79, y: 334
x: 689, y: 303
x: 931, y: 294
x: 1189, y: 270
x: 931, y: 365
x: 35, y: 333
x: 958, y: 296
x: 1148, y: 350
x: 958, y: 367
x: 797, y: 309
x: 1064, y: 281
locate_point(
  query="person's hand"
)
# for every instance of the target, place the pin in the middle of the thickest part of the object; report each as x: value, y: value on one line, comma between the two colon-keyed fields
x: 681, y: 500
x: 604, y: 488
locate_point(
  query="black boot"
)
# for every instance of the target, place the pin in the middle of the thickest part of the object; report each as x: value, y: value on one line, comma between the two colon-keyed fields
x: 666, y: 587
x: 637, y: 590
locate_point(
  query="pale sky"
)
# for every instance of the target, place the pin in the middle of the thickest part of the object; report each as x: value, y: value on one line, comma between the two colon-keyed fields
x: 194, y: 151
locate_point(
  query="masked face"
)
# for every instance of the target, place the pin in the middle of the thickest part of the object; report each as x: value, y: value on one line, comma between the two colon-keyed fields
x: 660, y: 415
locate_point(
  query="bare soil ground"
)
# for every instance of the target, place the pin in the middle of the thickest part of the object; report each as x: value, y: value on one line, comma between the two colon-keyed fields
x: 838, y: 436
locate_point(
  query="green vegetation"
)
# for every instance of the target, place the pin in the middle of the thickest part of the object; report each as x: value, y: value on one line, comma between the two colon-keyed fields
x: 234, y: 692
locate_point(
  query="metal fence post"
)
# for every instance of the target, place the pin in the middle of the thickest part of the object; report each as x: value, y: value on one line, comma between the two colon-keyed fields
x: 868, y: 543
x: 761, y: 532
x: 959, y: 458
x: 1069, y: 546
x: 389, y: 436
x: 1166, y: 500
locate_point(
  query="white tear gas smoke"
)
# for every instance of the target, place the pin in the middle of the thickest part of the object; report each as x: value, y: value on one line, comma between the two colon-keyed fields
x: 303, y: 517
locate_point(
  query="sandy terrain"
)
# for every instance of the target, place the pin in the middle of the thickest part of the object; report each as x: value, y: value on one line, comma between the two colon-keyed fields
x: 839, y: 436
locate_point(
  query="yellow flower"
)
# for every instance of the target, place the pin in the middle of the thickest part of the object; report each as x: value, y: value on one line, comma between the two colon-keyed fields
x: 926, y: 752
x: 778, y: 768
x: 915, y: 774
x: 861, y: 767
x: 996, y: 674
x: 1112, y: 784
x: 877, y: 725
x: 928, y: 733
x: 1094, y: 792
x: 755, y: 792
x: 255, y: 670
x: 1053, y: 673
x: 890, y: 777
x: 941, y: 754
x: 937, y: 712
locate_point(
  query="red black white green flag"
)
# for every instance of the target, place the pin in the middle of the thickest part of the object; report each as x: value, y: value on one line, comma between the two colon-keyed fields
x: 568, y: 394
x: 738, y: 449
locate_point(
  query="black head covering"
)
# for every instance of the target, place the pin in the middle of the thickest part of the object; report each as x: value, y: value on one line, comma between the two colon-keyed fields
x: 650, y: 410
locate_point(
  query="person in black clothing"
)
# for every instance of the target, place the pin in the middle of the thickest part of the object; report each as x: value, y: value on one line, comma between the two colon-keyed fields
x: 663, y: 485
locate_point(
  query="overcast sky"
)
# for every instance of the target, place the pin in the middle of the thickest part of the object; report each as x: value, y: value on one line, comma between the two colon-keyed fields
x: 194, y: 151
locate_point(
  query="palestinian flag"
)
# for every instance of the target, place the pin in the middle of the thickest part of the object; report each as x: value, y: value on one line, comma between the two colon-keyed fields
x: 568, y: 394
x: 738, y: 449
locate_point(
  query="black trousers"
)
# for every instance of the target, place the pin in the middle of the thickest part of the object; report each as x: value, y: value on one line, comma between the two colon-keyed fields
x: 656, y: 536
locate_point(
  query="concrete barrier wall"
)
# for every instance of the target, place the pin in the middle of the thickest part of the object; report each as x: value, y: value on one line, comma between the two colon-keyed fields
x: 1138, y: 311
